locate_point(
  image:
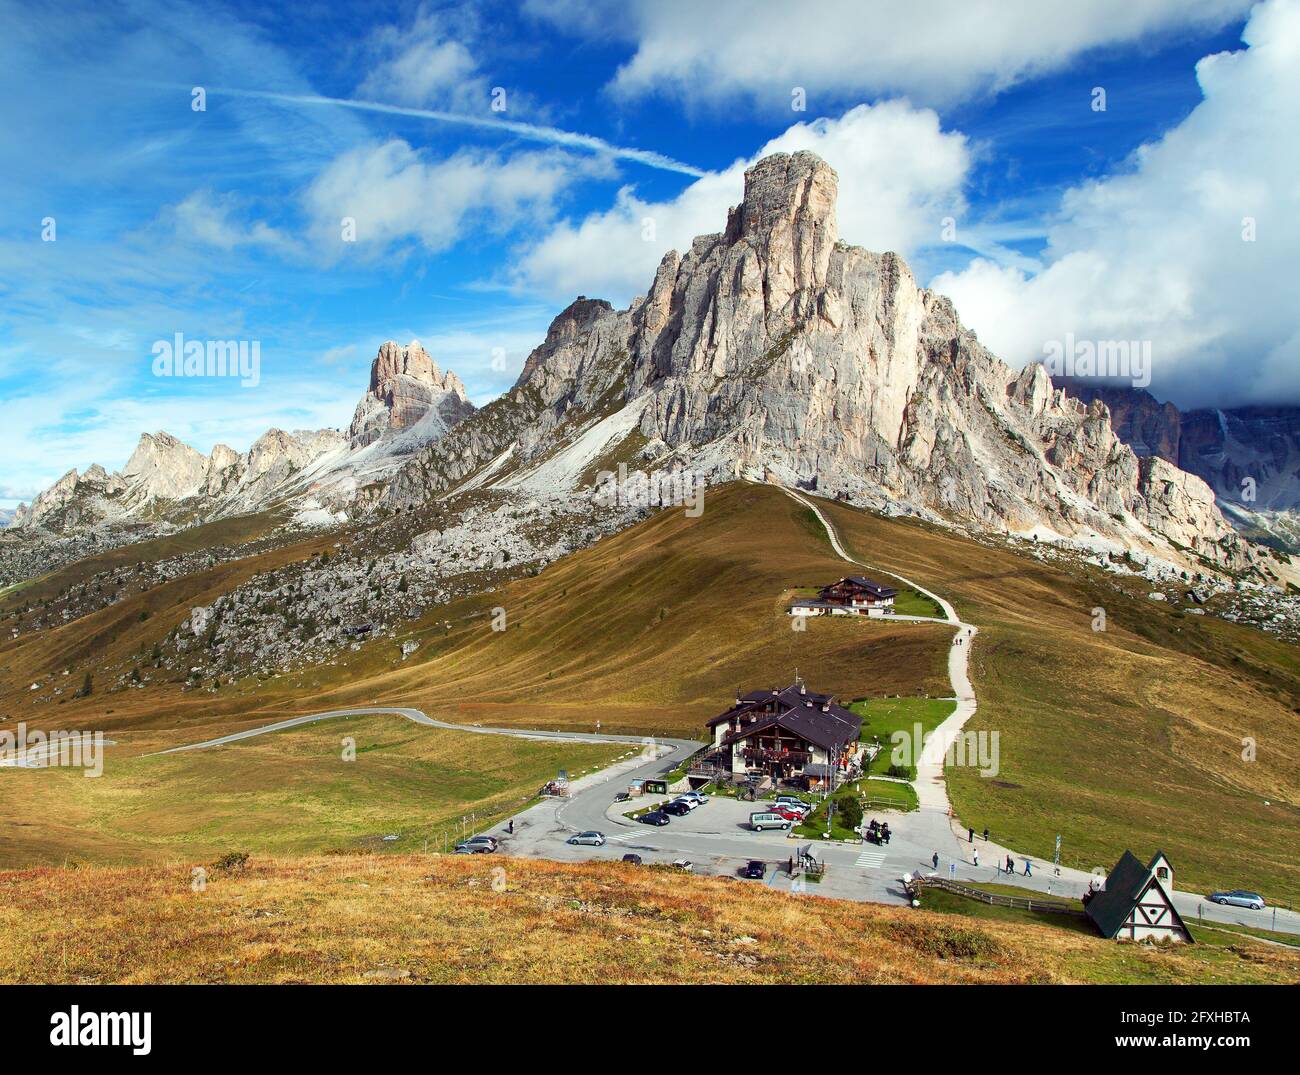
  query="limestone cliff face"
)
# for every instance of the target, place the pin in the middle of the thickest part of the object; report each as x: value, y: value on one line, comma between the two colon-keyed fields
x: 775, y: 346
x: 405, y: 387
x: 1249, y: 456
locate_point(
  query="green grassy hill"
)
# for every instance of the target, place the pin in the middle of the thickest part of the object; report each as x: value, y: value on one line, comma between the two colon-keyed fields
x: 1132, y: 736
x: 1128, y: 737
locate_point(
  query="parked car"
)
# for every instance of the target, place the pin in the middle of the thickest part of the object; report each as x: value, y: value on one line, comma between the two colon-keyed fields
x: 694, y: 796
x: 677, y: 808
x: 635, y: 860
x: 685, y: 865
x: 655, y: 817
x: 1238, y: 898
x: 794, y: 800
x: 476, y: 845
x: 790, y: 813
x: 766, y: 819
x: 592, y: 837
x: 689, y: 803
x: 622, y: 797
x: 754, y: 870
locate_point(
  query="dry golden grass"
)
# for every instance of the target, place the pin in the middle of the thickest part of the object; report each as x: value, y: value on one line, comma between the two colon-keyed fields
x: 648, y: 632
x: 1131, y: 737
x: 350, y: 919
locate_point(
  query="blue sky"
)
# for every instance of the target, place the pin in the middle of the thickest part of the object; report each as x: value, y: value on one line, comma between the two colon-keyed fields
x: 474, y: 226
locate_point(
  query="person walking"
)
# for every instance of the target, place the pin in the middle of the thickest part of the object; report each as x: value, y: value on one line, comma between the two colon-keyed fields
x: 970, y: 836
x: 1011, y: 865
x: 935, y: 860
x: 975, y: 855
x: 1028, y: 871
x: 511, y: 827
x: 986, y: 833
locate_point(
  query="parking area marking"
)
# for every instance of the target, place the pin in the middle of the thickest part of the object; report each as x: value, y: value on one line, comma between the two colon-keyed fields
x: 871, y: 859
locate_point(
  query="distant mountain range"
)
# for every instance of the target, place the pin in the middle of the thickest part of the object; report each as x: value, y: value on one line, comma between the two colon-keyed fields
x: 1249, y: 456
x: 408, y: 404
x: 770, y: 348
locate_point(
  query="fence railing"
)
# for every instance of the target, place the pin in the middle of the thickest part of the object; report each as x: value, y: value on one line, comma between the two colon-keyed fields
x: 998, y: 899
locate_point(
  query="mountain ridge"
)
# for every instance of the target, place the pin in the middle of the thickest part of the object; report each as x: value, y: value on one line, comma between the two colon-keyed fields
x: 409, y: 403
x: 773, y: 347
x: 1249, y: 456
x: 769, y: 349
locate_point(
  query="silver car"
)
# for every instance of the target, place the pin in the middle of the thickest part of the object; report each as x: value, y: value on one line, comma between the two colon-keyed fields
x: 592, y: 837
x: 1238, y: 898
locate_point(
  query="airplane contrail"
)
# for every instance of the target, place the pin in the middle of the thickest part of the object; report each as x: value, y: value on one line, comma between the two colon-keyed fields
x: 534, y: 132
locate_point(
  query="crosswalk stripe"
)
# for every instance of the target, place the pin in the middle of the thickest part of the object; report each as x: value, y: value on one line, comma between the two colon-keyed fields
x: 871, y: 859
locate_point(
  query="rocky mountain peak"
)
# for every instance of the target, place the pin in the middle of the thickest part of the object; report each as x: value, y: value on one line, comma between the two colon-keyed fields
x: 787, y: 193
x: 406, y: 385
x: 567, y: 325
x: 773, y: 349
x: 165, y: 467
x: 393, y: 361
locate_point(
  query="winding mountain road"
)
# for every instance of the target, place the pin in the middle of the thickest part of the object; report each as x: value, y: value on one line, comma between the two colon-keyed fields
x: 860, y: 872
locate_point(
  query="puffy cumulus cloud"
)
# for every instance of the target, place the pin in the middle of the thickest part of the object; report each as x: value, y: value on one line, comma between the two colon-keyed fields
x: 937, y: 52
x: 1162, y: 251
x: 423, y: 64
x: 394, y: 192
x: 900, y: 174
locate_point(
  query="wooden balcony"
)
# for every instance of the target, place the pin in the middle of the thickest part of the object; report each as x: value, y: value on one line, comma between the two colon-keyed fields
x: 759, y: 756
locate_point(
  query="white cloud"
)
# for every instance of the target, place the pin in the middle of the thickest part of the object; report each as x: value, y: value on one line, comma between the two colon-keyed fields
x: 210, y: 218
x: 423, y: 64
x: 395, y: 192
x: 900, y: 174
x: 937, y: 52
x: 1157, y: 253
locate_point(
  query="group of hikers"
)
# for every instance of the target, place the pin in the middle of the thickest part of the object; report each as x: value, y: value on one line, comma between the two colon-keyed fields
x: 876, y: 833
x: 1010, y: 866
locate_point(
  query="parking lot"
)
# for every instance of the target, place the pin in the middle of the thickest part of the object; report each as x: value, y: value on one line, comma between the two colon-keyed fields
x: 720, y: 816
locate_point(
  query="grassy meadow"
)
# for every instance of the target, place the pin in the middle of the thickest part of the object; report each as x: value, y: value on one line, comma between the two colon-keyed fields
x: 1129, y: 737
x: 451, y: 919
x: 285, y: 793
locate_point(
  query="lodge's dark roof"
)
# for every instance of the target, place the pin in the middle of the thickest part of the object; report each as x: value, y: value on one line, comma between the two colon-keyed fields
x: 809, y: 715
x: 871, y: 587
x: 1109, y: 909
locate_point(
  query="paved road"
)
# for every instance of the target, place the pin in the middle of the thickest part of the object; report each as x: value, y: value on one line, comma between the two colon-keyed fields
x: 857, y: 871
x: 417, y: 717
x: 933, y: 825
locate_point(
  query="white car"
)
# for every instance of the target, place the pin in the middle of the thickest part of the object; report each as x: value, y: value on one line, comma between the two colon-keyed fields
x: 690, y: 804
x: 695, y: 796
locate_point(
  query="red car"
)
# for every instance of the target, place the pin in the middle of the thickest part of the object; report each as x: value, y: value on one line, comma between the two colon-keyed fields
x: 790, y: 813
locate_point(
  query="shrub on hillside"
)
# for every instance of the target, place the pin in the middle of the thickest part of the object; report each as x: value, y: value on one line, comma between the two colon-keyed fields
x: 231, y: 860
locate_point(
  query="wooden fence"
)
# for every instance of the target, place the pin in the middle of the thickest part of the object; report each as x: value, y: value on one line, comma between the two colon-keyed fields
x: 998, y: 899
